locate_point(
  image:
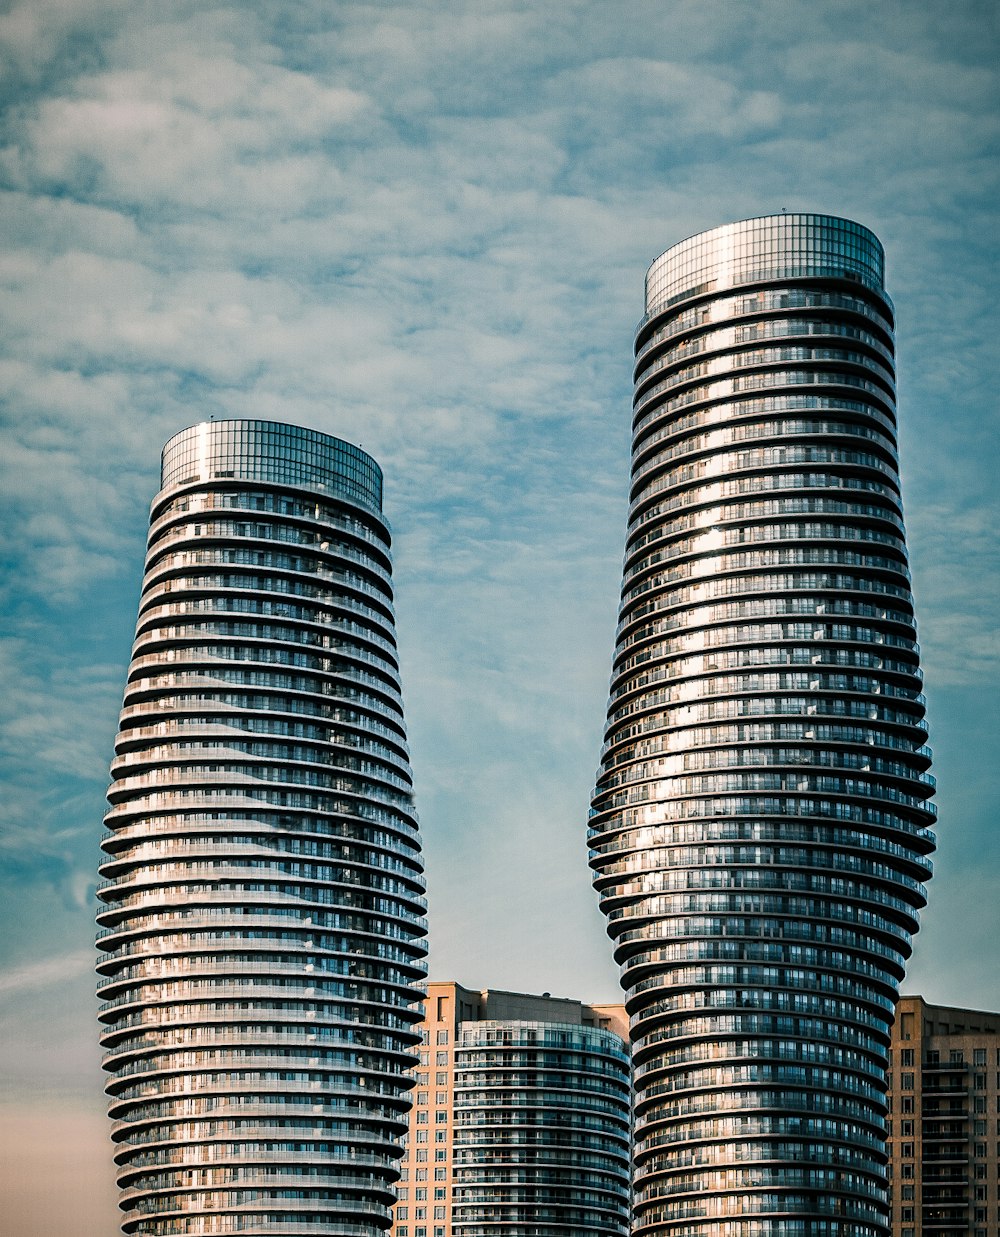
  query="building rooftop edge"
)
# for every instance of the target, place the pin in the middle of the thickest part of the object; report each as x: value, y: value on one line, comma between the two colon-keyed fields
x: 534, y: 996
x: 952, y: 1009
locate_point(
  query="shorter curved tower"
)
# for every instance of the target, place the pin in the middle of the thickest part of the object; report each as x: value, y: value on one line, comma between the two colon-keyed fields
x: 542, y: 1118
x: 760, y: 826
x: 522, y: 1119
x: 262, y: 927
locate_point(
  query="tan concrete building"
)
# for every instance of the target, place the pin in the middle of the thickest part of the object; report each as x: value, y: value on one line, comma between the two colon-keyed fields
x: 520, y: 1120
x: 944, y: 1121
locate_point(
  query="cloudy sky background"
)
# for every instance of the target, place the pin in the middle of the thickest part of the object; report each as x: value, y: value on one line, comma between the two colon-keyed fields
x: 424, y: 227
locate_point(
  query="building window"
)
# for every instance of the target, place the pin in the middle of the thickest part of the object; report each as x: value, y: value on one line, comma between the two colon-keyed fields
x: 906, y: 1056
x: 442, y: 1037
x: 906, y: 1081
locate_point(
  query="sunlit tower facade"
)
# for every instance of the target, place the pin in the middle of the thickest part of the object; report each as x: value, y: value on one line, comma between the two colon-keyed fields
x: 760, y: 825
x: 263, y: 912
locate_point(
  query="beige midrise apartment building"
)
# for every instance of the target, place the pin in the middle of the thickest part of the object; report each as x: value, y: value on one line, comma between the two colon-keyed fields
x: 944, y: 1121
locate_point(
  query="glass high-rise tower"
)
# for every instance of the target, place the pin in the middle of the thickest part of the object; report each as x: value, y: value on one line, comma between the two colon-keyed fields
x: 262, y: 928
x: 760, y: 825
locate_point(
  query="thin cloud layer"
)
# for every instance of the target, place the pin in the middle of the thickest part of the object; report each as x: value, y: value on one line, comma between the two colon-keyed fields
x: 424, y: 227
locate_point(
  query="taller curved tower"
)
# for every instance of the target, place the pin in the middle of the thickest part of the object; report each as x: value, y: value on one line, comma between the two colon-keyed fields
x: 263, y: 908
x: 760, y: 826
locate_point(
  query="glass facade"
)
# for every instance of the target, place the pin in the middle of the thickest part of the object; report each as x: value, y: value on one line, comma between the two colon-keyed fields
x: 263, y: 912
x: 541, y: 1131
x: 760, y: 825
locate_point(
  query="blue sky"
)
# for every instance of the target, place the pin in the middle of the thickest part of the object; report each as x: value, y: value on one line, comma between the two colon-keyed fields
x: 424, y: 227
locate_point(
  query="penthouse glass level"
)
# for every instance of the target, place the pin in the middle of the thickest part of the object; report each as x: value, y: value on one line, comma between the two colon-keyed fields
x: 760, y: 826
x: 262, y: 929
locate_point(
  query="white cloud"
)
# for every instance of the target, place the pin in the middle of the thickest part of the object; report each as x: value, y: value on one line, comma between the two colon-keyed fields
x: 208, y: 134
x: 47, y: 971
